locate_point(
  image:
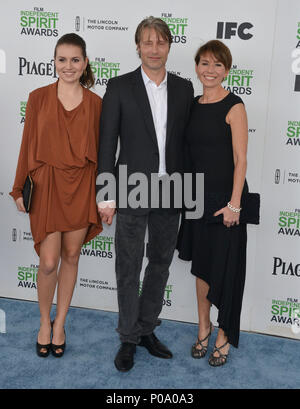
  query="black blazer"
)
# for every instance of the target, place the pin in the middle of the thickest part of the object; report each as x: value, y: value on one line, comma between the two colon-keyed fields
x: 126, y: 113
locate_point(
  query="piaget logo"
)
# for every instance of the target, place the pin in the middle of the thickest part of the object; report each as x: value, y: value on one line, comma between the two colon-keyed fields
x: 22, y: 111
x: 38, y: 22
x: 177, y: 25
x: 43, y: 68
x: 239, y: 81
x: 100, y: 246
x: 286, y: 312
x: 289, y: 223
x: 293, y: 133
x: 104, y: 70
x: 27, y: 276
x: 286, y: 268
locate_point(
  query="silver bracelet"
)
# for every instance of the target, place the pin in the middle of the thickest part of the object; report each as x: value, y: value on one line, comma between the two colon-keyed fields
x: 234, y: 209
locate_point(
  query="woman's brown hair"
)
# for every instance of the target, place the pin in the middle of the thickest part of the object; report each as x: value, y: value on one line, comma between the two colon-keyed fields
x: 87, y: 79
x: 218, y: 49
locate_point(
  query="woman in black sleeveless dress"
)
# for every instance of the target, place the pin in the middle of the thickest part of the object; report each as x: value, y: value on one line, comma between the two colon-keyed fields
x: 216, y: 143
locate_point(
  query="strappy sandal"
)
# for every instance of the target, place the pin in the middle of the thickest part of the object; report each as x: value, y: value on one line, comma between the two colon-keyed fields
x: 218, y: 360
x: 200, y: 353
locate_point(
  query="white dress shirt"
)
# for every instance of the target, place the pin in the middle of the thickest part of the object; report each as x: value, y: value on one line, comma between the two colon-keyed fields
x: 158, y: 99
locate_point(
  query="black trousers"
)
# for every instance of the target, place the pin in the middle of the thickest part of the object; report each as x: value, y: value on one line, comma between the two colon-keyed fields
x: 138, y: 313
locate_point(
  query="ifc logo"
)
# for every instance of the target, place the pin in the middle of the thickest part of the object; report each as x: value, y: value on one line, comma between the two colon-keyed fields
x: 2, y: 62
x: 227, y: 30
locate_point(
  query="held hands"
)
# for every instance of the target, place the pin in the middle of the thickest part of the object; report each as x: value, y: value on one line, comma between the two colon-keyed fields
x: 230, y: 218
x: 106, y: 211
x: 20, y: 204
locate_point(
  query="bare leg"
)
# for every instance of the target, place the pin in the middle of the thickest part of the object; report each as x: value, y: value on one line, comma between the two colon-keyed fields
x: 203, y: 310
x: 204, y: 318
x: 221, y: 340
x: 67, y: 275
x: 46, y: 282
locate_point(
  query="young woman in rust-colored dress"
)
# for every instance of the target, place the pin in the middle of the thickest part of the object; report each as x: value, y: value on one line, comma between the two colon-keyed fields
x: 59, y: 151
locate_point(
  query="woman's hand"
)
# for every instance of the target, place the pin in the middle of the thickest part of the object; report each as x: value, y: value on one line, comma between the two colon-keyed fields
x: 230, y: 218
x: 107, y: 211
x: 20, y: 204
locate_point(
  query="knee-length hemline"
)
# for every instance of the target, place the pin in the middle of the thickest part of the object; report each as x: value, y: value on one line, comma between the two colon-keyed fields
x: 59, y: 150
x: 92, y: 232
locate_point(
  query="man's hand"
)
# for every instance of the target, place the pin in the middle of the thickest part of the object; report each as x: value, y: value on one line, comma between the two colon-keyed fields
x: 107, y: 211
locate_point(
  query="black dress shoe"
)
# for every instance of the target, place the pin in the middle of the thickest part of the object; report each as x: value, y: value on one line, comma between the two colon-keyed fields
x: 155, y: 347
x: 124, y: 358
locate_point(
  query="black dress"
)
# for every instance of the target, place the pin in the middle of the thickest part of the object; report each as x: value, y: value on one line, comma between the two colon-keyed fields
x: 218, y: 253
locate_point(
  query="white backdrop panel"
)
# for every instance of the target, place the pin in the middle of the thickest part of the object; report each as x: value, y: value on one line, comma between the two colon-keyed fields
x: 26, y: 56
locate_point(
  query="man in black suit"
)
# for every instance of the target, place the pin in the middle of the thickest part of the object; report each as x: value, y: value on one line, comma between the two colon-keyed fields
x: 148, y: 110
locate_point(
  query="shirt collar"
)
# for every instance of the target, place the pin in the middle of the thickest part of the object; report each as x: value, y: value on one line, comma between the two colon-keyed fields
x: 147, y: 80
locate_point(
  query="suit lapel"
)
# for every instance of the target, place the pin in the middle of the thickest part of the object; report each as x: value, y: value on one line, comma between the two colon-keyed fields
x: 171, y: 107
x: 140, y: 93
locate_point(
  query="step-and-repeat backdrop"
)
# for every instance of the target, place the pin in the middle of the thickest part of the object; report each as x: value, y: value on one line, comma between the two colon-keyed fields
x: 264, y: 38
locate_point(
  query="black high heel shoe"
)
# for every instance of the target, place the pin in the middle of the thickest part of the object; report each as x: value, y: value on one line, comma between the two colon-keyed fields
x: 40, y: 353
x: 47, y: 347
x: 54, y: 348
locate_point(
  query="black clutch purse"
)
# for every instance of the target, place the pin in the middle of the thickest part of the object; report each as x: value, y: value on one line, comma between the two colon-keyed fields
x: 250, y: 204
x: 27, y: 193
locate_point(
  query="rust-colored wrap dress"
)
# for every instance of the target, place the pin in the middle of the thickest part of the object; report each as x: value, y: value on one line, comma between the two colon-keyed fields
x: 59, y: 150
